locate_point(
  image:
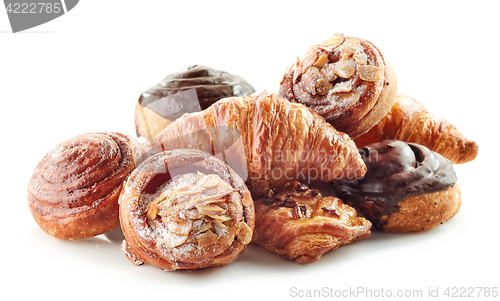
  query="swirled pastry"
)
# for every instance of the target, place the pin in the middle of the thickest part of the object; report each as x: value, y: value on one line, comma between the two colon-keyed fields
x: 268, y: 140
x: 300, y: 224
x: 407, y: 187
x: 346, y: 80
x: 73, y: 192
x: 185, y: 209
x: 182, y: 92
x: 409, y: 121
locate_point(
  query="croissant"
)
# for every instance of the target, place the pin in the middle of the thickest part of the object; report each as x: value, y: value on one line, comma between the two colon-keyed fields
x: 409, y: 121
x: 185, y: 209
x: 267, y: 140
x: 300, y: 224
x: 346, y: 80
x: 73, y: 192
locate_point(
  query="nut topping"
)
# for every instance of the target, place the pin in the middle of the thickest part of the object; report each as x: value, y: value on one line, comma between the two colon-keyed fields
x: 299, y: 212
x: 244, y: 233
x: 361, y: 58
x: 323, y: 87
x: 328, y: 73
x: 345, y: 68
x: 193, y: 209
x: 349, y: 47
x: 333, y: 41
x: 321, y: 62
x: 152, y: 211
x: 206, y: 238
x: 370, y: 73
x: 331, y: 211
x: 173, y: 240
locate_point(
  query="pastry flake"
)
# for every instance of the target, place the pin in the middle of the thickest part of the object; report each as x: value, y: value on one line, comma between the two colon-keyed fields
x: 278, y: 141
x: 409, y: 121
x: 300, y: 224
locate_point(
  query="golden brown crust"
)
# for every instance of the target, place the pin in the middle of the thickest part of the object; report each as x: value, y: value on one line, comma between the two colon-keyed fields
x: 300, y: 224
x: 409, y: 121
x: 73, y: 192
x: 148, y: 123
x: 185, y: 209
x: 346, y: 80
x: 423, y: 212
x: 267, y: 140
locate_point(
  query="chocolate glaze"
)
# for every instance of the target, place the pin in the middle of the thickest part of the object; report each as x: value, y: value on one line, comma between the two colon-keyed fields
x: 395, y: 171
x: 210, y: 85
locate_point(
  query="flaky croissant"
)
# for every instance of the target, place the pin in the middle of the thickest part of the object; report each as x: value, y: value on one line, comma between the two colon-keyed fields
x: 267, y: 140
x: 409, y: 121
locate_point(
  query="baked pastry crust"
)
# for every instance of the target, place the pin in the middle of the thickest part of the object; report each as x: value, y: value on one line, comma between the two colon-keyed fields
x: 148, y: 123
x: 300, y: 224
x: 267, y: 140
x: 185, y: 209
x: 423, y: 212
x: 409, y: 121
x: 347, y: 80
x: 73, y: 192
x: 407, y: 187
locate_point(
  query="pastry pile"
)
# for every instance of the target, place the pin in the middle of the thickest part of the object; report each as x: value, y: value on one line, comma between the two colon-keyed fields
x: 223, y: 166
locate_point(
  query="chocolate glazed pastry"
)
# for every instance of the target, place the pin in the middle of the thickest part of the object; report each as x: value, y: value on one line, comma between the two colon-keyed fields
x: 73, y: 192
x: 184, y: 92
x: 185, y: 209
x: 300, y: 224
x: 346, y: 80
x: 407, y: 187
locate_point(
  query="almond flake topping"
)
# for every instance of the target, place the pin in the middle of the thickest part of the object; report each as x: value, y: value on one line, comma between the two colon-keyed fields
x: 333, y: 41
x: 192, y: 207
x: 206, y: 238
x: 370, y: 73
x: 321, y: 62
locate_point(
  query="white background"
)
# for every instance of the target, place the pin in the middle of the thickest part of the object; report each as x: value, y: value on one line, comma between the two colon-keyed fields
x: 84, y: 72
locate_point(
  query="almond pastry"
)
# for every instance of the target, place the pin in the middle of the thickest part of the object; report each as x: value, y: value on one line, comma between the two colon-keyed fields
x: 185, y: 209
x: 346, y: 80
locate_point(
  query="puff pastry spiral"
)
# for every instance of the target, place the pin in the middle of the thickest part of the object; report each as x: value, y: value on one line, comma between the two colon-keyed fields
x: 73, y: 192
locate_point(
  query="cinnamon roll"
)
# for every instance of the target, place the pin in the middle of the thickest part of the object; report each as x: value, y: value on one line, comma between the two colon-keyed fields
x: 407, y: 187
x: 73, y: 192
x: 347, y: 80
x: 185, y: 209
